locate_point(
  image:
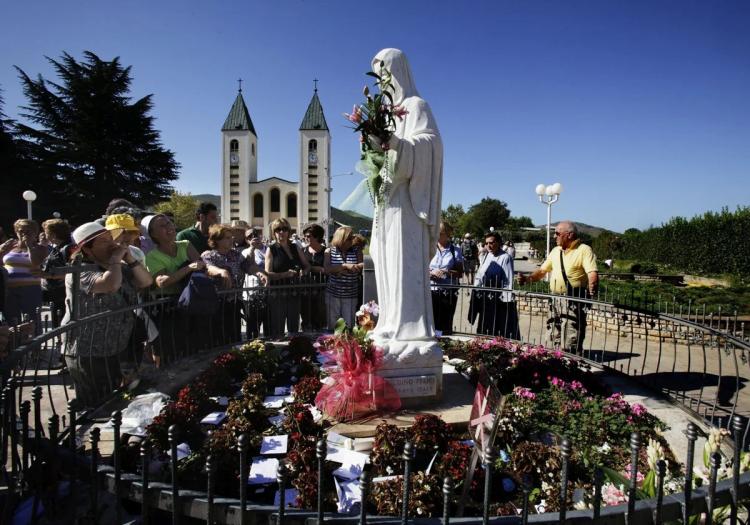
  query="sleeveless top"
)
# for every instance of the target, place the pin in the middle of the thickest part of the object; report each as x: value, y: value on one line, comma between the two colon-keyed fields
x: 345, y: 285
x: 20, y: 271
x: 281, y: 262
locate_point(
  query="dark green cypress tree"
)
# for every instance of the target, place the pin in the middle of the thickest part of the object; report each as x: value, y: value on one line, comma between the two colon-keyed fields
x: 11, y: 174
x: 88, y: 142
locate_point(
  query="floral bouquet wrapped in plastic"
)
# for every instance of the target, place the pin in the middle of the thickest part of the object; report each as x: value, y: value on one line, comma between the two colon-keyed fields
x: 354, y: 390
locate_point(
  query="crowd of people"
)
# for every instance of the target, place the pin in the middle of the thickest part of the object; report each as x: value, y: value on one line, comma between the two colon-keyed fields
x: 571, y: 269
x: 197, y: 287
x: 166, y: 293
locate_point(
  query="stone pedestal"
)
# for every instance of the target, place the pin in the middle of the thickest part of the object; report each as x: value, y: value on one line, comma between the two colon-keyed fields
x: 415, y: 370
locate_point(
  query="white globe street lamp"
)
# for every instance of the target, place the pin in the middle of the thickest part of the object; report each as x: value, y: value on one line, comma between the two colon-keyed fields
x: 29, y: 196
x: 548, y: 195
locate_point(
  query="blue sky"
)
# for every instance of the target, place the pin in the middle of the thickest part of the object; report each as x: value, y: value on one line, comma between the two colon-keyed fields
x: 641, y: 109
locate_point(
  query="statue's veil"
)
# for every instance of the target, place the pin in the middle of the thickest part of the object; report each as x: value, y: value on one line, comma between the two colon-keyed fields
x: 403, y: 82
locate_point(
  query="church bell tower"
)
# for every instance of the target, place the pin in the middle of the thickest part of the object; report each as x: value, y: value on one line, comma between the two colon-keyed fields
x: 315, y: 165
x: 239, y: 146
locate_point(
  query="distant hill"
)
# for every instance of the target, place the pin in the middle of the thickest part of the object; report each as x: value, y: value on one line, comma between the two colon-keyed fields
x: 593, y: 231
x: 207, y: 197
x: 351, y: 218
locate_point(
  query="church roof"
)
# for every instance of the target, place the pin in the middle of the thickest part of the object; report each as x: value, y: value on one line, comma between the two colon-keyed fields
x: 239, y: 118
x: 314, y: 118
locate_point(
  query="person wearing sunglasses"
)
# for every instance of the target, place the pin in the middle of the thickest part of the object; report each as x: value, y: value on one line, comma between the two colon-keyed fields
x: 573, y: 272
x: 285, y: 264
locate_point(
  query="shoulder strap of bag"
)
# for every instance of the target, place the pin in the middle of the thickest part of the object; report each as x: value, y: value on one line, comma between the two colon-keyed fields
x: 562, y: 267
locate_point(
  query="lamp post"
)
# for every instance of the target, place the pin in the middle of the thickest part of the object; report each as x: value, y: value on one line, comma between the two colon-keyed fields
x: 548, y: 195
x: 29, y: 196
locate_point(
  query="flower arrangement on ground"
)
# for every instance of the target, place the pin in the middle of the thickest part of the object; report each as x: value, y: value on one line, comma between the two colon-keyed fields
x: 546, y: 395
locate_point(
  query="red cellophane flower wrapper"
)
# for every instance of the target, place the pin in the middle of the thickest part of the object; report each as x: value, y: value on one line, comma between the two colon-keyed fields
x: 356, y: 390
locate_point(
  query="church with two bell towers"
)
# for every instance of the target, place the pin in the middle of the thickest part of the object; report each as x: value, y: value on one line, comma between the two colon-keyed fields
x: 259, y: 202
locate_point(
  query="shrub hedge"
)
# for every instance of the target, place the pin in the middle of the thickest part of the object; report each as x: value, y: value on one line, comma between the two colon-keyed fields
x: 712, y: 243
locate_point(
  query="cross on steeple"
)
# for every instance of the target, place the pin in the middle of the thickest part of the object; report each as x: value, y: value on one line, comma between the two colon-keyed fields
x: 315, y: 80
x: 240, y: 82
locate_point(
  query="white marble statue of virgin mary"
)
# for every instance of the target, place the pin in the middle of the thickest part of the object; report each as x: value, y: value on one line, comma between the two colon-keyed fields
x: 406, y: 226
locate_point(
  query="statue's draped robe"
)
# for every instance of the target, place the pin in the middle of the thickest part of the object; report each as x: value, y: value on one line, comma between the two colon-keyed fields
x: 406, y: 227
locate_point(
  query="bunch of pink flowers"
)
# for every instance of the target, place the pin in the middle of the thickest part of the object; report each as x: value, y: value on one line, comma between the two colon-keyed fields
x: 524, y: 393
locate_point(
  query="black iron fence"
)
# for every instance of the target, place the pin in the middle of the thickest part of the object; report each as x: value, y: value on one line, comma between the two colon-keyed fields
x: 701, y: 367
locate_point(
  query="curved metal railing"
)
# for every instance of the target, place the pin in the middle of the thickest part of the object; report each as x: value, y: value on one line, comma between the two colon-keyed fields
x: 702, y: 368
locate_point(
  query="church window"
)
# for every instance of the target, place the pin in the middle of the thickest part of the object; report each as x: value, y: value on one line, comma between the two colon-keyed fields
x: 234, y: 193
x: 234, y: 202
x: 275, y: 200
x: 291, y: 205
x: 312, y: 146
x: 234, y: 184
x: 234, y: 146
x: 252, y: 148
x: 258, y: 205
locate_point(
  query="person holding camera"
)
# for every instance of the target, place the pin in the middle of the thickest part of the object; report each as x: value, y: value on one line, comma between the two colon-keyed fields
x: 23, y: 258
x: 285, y: 264
x: 94, y: 350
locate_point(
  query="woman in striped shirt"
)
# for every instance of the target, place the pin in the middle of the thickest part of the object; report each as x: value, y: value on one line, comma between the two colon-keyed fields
x: 343, y: 264
x: 23, y: 258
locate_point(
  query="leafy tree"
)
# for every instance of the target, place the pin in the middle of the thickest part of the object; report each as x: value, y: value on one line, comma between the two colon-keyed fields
x: 182, y: 206
x: 516, y: 223
x: 453, y: 214
x: 486, y: 213
x: 606, y: 245
x: 92, y: 143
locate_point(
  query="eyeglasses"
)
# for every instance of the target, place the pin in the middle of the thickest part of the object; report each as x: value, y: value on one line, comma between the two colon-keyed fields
x: 281, y: 229
x: 557, y: 234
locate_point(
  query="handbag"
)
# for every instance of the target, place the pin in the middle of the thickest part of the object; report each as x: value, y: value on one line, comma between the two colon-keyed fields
x: 199, y: 296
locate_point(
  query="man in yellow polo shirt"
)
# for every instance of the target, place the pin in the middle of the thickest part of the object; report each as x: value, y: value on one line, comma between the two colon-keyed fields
x: 573, y: 273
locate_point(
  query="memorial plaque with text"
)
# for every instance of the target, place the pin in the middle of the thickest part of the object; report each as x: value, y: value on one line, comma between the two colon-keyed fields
x: 414, y: 386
